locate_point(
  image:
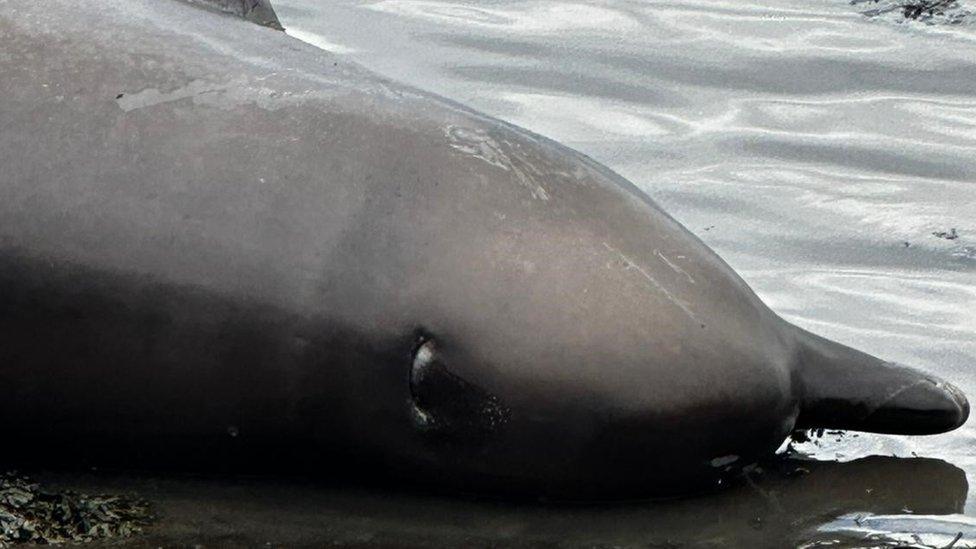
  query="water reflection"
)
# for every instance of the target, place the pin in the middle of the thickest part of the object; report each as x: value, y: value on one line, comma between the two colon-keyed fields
x: 786, y: 503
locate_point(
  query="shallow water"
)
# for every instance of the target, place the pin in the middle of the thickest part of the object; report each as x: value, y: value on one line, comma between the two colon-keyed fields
x: 814, y: 147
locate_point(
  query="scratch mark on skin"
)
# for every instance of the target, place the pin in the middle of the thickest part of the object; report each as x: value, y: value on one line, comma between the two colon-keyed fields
x: 674, y: 267
x: 221, y: 95
x: 895, y: 393
x: 152, y: 97
x: 631, y: 264
x: 480, y: 145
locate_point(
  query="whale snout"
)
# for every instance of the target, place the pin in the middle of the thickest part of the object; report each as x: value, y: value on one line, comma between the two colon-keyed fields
x: 843, y: 388
x: 929, y: 406
x: 924, y: 406
x: 962, y: 406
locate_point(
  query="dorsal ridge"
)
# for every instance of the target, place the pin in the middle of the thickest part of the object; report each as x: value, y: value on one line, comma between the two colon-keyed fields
x: 256, y: 11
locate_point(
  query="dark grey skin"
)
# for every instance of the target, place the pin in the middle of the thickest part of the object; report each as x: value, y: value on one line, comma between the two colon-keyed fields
x: 217, y: 241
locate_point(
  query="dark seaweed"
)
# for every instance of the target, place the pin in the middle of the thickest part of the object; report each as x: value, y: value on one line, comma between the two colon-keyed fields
x: 35, y: 515
x: 930, y: 11
x: 951, y: 234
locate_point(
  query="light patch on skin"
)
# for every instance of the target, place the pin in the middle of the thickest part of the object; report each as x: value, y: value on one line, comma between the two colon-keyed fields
x: 421, y: 418
x: 724, y: 461
x: 480, y: 145
x: 425, y: 355
x: 674, y: 267
x: 152, y: 97
x: 221, y: 95
x: 631, y: 264
x: 422, y: 360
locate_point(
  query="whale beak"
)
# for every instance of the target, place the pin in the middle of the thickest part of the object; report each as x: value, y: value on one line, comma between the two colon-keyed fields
x: 844, y: 388
x: 929, y: 406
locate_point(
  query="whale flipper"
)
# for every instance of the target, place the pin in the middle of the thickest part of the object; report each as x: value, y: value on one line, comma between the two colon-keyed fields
x: 843, y: 388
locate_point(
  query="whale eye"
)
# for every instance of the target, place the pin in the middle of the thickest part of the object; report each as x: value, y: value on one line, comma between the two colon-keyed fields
x: 445, y: 405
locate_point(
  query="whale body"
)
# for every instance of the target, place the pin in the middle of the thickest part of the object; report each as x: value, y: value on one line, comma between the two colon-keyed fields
x: 219, y: 242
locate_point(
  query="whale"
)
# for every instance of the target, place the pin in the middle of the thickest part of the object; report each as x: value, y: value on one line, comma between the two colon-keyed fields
x: 219, y: 244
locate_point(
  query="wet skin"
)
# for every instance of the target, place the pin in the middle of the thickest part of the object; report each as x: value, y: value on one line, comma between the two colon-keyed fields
x: 217, y: 242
